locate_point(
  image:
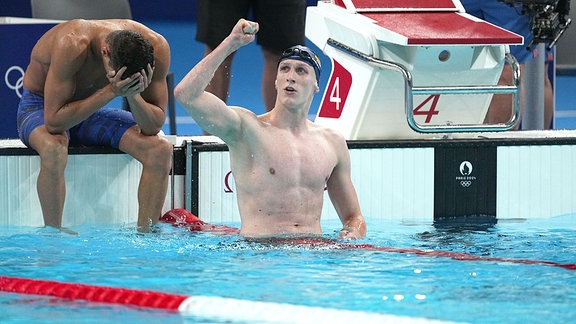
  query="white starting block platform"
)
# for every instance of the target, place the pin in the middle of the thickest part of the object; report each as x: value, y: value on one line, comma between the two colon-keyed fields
x: 410, y: 69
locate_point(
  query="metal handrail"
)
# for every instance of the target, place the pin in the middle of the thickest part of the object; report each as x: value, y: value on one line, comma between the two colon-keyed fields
x: 410, y: 90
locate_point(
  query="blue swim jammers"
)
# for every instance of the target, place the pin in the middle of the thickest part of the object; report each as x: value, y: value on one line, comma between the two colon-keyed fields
x: 103, y: 128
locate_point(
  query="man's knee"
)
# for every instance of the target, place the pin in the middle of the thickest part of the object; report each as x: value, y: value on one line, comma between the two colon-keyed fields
x: 53, y: 151
x: 159, y: 154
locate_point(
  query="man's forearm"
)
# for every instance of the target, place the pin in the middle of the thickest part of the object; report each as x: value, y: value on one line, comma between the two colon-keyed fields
x: 73, y: 113
x: 149, y: 117
x: 198, y: 78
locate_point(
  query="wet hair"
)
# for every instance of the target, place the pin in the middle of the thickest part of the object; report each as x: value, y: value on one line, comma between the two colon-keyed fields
x: 130, y: 49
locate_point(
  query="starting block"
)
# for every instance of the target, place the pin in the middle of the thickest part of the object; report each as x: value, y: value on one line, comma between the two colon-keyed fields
x: 406, y: 69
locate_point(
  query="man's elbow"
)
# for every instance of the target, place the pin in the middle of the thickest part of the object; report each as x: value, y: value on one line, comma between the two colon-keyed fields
x: 180, y: 94
x: 54, y: 129
x: 188, y: 98
x: 151, y: 131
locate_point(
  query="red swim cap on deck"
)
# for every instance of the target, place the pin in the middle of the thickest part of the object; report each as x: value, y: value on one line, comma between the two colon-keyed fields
x: 180, y: 217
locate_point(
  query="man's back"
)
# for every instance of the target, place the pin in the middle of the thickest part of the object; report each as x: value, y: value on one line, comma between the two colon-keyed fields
x: 79, y: 40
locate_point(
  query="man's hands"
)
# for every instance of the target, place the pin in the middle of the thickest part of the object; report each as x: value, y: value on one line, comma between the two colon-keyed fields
x: 350, y: 235
x: 244, y: 32
x: 354, y: 229
x: 133, y: 85
x: 250, y: 27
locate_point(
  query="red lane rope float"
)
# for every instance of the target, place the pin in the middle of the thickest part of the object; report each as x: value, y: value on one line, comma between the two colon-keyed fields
x: 225, y: 309
x: 461, y: 256
x: 182, y: 217
x: 101, y: 294
x: 430, y: 253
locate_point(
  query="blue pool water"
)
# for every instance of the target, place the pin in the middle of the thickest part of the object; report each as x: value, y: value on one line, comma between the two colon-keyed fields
x: 202, y: 264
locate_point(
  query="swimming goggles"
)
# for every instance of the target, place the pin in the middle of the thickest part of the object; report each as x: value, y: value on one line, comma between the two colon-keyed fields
x: 304, y: 54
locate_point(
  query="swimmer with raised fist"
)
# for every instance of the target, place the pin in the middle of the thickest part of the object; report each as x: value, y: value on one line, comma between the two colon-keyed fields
x: 281, y: 161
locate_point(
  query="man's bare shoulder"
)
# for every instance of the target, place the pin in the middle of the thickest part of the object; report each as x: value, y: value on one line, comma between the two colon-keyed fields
x: 248, y: 114
x: 329, y: 133
x: 79, y: 28
x: 68, y: 39
x: 94, y: 28
x: 157, y: 39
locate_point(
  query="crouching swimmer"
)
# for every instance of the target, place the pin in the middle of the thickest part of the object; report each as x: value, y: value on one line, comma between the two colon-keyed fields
x: 75, y: 69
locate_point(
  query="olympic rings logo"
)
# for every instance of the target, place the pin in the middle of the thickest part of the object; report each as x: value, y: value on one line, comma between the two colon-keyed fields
x: 16, y: 86
x: 465, y: 184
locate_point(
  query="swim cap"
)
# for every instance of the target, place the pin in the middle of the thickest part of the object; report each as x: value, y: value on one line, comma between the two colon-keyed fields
x: 304, y: 54
x: 180, y: 217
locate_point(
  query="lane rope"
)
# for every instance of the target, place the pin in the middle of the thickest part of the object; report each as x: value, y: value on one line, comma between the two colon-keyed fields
x: 436, y: 253
x: 230, y: 309
x: 181, y: 217
x: 224, y: 309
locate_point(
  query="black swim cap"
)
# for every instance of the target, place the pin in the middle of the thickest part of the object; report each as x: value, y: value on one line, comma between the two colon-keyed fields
x: 304, y: 54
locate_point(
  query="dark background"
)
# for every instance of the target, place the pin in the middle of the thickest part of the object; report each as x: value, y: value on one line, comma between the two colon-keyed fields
x: 141, y: 9
x: 176, y: 20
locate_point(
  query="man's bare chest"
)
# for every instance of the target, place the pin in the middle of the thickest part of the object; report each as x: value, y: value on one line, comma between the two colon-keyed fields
x: 298, y: 164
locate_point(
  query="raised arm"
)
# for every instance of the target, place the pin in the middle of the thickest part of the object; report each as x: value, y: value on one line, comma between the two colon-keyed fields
x: 343, y: 194
x: 211, y: 113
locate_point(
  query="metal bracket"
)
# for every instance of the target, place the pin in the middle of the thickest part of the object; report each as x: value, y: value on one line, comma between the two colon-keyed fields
x: 410, y: 91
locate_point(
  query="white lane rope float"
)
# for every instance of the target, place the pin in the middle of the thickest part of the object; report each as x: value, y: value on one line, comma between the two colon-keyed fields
x: 212, y: 307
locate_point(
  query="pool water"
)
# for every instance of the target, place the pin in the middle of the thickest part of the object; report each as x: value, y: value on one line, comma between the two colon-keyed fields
x: 177, y: 261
